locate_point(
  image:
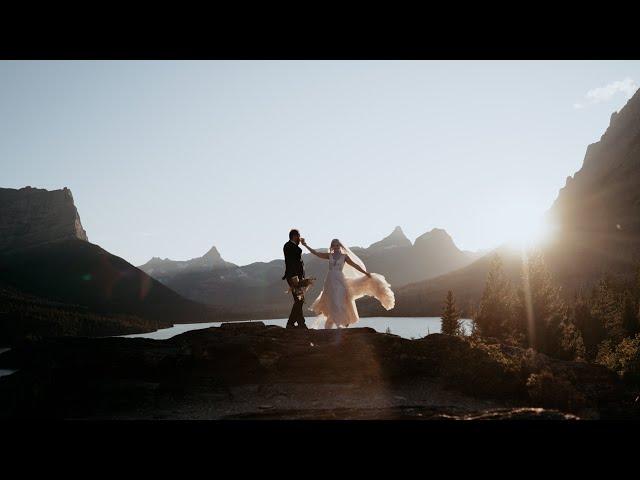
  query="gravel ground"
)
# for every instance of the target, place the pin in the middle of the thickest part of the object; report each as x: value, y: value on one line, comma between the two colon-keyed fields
x: 310, y: 401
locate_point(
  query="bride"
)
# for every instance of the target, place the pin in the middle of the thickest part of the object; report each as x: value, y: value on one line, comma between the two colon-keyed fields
x: 346, y: 281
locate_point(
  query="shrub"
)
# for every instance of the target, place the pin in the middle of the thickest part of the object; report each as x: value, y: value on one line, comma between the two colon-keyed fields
x: 551, y: 391
x: 623, y: 358
x: 478, y: 368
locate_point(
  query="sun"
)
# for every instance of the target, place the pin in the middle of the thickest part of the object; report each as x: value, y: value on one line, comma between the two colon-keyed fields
x: 529, y: 231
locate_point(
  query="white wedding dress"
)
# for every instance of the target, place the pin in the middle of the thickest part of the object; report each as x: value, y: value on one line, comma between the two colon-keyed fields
x: 343, y: 285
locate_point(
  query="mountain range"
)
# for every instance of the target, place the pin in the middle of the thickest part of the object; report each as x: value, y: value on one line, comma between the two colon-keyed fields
x: 257, y: 289
x: 46, y: 259
x: 54, y: 281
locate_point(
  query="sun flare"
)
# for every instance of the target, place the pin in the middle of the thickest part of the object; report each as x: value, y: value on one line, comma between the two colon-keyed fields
x: 529, y: 232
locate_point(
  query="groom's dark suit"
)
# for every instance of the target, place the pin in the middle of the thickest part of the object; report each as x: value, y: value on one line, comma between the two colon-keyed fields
x: 294, y: 267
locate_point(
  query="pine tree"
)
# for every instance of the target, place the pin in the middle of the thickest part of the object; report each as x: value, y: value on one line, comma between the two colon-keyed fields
x: 591, y: 329
x: 635, y: 288
x: 494, y: 317
x: 606, y: 308
x: 571, y: 342
x: 541, y: 312
x: 629, y: 315
x: 451, y: 324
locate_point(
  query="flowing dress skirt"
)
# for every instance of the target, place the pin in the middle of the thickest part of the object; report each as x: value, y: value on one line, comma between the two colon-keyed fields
x: 337, y: 301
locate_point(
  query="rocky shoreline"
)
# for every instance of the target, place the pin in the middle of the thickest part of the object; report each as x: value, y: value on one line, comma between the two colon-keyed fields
x: 253, y: 371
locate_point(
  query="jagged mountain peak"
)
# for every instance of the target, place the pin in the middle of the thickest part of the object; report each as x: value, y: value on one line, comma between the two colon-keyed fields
x: 434, y: 233
x: 213, y: 253
x: 437, y: 239
x: 625, y: 122
x: 210, y: 260
x: 397, y: 238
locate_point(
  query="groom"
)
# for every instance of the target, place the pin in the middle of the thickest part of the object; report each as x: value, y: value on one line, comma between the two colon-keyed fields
x: 294, y: 267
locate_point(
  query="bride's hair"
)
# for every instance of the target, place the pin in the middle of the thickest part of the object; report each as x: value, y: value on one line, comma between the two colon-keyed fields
x: 340, y: 246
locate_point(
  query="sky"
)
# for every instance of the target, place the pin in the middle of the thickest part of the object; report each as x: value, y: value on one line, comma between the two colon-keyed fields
x: 169, y: 158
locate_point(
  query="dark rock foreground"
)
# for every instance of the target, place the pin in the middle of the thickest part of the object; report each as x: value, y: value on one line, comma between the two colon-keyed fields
x: 253, y: 371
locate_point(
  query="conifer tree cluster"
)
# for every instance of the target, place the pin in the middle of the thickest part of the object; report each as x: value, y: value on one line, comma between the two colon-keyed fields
x: 494, y: 316
x: 601, y: 326
x: 451, y: 323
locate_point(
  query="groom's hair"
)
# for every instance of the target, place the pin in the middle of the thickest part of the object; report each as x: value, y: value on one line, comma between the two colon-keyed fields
x: 293, y: 232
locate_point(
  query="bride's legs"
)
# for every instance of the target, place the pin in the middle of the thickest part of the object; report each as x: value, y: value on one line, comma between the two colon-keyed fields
x: 328, y: 324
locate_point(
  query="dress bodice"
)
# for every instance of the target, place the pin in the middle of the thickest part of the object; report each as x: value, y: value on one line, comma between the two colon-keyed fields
x: 336, y: 262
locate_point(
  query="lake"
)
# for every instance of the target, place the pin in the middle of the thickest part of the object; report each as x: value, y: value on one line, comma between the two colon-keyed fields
x: 4, y: 372
x: 406, y: 327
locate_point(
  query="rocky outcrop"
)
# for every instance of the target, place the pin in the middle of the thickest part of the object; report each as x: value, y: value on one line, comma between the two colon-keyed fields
x: 413, y: 412
x: 249, y: 370
x: 34, y: 216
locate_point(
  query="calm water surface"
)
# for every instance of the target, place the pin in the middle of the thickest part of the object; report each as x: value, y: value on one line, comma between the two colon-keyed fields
x: 407, y: 327
x: 4, y: 372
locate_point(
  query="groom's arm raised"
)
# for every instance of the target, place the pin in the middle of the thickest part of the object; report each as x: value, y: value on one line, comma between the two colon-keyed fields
x: 316, y: 253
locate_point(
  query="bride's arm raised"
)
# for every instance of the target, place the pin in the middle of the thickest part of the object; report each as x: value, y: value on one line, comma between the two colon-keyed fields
x: 317, y: 254
x: 356, y: 266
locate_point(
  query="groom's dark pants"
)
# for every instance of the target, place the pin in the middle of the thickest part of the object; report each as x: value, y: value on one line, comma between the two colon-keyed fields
x: 296, y: 315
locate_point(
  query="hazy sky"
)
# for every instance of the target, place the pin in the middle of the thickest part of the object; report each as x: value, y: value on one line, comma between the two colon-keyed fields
x: 169, y: 158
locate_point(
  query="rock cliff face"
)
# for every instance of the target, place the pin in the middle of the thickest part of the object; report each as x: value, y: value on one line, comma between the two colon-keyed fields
x: 34, y: 216
x: 597, y: 215
x: 598, y: 210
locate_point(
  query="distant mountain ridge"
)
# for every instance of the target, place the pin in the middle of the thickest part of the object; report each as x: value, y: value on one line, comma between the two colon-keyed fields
x: 161, y: 268
x: 257, y: 288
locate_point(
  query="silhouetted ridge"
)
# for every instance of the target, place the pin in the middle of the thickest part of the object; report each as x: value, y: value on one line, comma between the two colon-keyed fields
x: 256, y: 290
x: 161, y: 268
x: 397, y: 238
x: 598, y: 210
